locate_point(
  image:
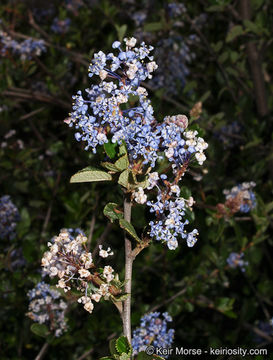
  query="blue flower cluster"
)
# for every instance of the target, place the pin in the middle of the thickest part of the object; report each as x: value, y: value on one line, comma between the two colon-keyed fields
x: 60, y: 26
x: 230, y: 134
x: 244, y: 194
x: 176, y: 9
x: 9, y: 216
x: 47, y: 307
x: 236, y: 260
x: 104, y: 117
x: 172, y: 54
x: 26, y: 49
x: 153, y: 331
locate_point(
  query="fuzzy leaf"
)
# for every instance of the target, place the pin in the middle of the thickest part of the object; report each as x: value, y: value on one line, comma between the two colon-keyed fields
x: 40, y: 330
x: 122, y: 163
x: 109, y: 211
x: 90, y: 174
x: 121, y: 297
x: 129, y: 229
x: 236, y: 31
x: 123, y: 346
x: 109, y: 166
x: 124, y: 179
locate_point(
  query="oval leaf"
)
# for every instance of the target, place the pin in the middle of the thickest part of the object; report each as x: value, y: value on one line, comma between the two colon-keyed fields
x: 40, y: 330
x: 129, y: 229
x: 110, y: 211
x: 90, y: 174
x: 123, y: 346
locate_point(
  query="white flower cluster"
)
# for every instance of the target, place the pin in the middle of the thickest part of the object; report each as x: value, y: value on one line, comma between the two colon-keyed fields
x: 197, y: 143
x: 69, y: 260
x: 47, y: 307
x: 139, y: 196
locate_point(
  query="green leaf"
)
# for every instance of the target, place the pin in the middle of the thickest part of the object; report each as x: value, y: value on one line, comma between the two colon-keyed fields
x: 121, y: 30
x: 112, y: 347
x: 124, y: 356
x: 124, y: 178
x: 225, y: 305
x: 90, y: 174
x: 110, y: 212
x: 122, y: 149
x: 129, y: 229
x: 120, y: 297
x: 235, y: 31
x: 123, y: 346
x: 154, y: 26
x: 106, y: 358
x: 40, y: 330
x: 110, y: 166
x: 122, y: 163
x: 110, y: 149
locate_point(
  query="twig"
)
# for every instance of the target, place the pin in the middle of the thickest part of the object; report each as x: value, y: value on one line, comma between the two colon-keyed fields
x: 42, y: 351
x: 88, y: 352
x: 258, y: 331
x: 32, y: 113
x: 126, y: 313
x: 180, y: 292
x: 38, y: 96
x: 255, y: 65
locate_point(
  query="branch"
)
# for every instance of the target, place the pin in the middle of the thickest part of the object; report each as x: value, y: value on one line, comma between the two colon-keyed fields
x: 126, y: 313
x: 42, y: 351
x: 255, y: 65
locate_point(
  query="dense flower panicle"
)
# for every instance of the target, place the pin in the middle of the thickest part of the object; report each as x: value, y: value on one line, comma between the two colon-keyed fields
x: 26, y: 49
x: 244, y: 194
x: 47, y: 307
x: 101, y: 119
x: 153, y: 331
x: 60, y: 26
x: 9, y: 216
x: 69, y: 259
x: 236, y: 260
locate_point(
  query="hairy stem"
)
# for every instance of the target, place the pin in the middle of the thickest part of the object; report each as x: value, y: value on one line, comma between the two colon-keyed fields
x: 126, y: 314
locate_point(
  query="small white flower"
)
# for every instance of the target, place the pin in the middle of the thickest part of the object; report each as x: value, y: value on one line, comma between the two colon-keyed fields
x: 151, y: 66
x: 103, y: 74
x: 53, y: 271
x: 105, y: 253
x: 200, y: 157
x: 140, y: 196
x: 84, y: 273
x: 131, y: 42
x: 96, y: 297
x: 169, y: 152
x: 89, y: 306
x: 175, y: 189
x: 142, y: 91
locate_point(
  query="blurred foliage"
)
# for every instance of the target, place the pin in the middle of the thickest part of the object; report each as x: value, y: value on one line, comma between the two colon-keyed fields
x: 231, y: 75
